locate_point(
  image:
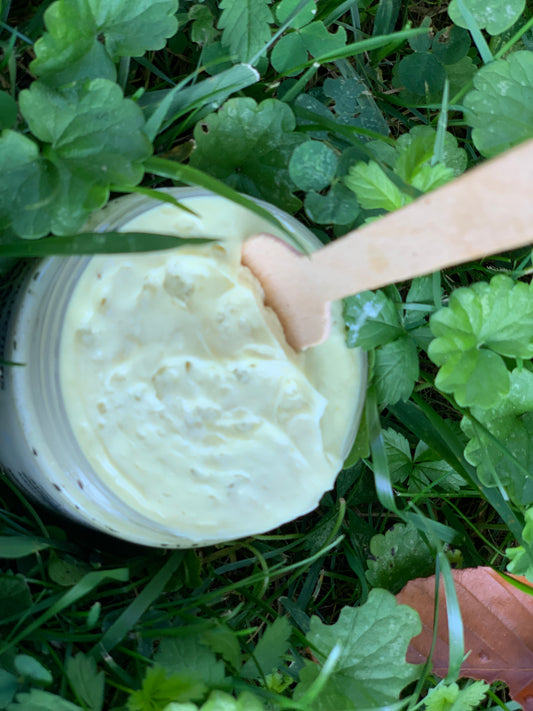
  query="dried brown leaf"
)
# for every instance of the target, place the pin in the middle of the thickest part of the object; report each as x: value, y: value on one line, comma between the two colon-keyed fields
x: 498, y: 629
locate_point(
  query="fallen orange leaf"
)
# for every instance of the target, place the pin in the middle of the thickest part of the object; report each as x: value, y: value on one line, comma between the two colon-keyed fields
x: 498, y: 629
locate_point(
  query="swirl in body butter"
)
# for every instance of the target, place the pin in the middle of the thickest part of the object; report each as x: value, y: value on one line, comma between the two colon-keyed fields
x: 182, y: 392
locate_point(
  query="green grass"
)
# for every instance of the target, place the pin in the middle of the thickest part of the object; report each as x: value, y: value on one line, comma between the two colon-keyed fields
x: 93, y: 613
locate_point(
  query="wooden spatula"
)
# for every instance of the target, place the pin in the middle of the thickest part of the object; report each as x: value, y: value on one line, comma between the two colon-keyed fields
x: 485, y: 211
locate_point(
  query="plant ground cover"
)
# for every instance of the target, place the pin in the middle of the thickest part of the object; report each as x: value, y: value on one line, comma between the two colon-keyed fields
x: 337, y: 111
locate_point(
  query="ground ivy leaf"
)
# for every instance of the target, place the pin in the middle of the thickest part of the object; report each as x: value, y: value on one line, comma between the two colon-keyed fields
x: 74, y: 26
x: 187, y: 655
x: 374, y: 189
x: 248, y: 145
x: 371, y: 670
x: 396, y: 370
x: 500, y: 107
x: 245, y: 27
x: 313, y: 165
x: 93, y: 136
x: 202, y: 27
x: 38, y: 700
x: 398, y: 556
x: 28, y: 183
x: 86, y: 680
x: 449, y: 697
x: 493, y: 15
x: 269, y: 651
x: 510, y: 423
x: 372, y: 320
x: 338, y: 207
x: 480, y: 322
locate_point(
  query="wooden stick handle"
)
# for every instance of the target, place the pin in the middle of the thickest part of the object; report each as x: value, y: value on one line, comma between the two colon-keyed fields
x: 485, y: 211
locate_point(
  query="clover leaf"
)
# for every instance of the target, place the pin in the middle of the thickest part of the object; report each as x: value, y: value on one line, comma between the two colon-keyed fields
x: 482, y: 323
x: 493, y: 15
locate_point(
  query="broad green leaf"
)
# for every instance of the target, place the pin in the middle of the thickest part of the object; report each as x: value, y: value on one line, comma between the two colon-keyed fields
x: 220, y: 701
x: 319, y: 41
x: 75, y: 26
x: 415, y: 151
x: 398, y: 556
x: 94, y: 137
x: 504, y: 455
x: 66, y: 571
x: 493, y: 15
x: 28, y: 184
x: 371, y: 670
x: 374, y: 189
x: 225, y: 642
x: 31, y: 669
x: 8, y: 110
x: 500, y: 107
x: 421, y: 73
x: 422, y: 43
x: 246, y: 27
x: 248, y: 146
x: 86, y: 680
x: 288, y: 54
x: 522, y: 557
x: 20, y: 546
x: 338, y: 207
x: 313, y: 166
x: 187, y: 654
x: 269, y: 651
x: 372, y: 320
x: 8, y: 687
x: 449, y: 697
x: 15, y: 596
x: 292, y: 50
x: 158, y: 690
x: 451, y: 44
x: 38, y: 700
x: 481, y: 323
x: 396, y: 370
x: 399, y: 456
x: 303, y: 17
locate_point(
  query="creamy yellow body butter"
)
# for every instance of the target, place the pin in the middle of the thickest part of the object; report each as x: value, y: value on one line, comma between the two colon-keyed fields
x: 184, y: 401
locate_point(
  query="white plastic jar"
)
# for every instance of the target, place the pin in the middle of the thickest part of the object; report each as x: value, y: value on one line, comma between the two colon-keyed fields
x: 49, y: 446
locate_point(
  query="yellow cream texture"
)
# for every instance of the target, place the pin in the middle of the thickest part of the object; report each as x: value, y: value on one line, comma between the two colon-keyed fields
x: 182, y: 392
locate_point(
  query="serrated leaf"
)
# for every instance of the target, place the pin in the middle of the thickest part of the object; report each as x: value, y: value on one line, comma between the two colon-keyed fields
x: 372, y: 320
x: 493, y: 15
x: 500, y: 107
x: 371, y: 670
x: 269, y: 651
x: 38, y: 700
x: 312, y: 166
x: 245, y: 27
x: 497, y: 628
x: 93, y: 136
x: 449, y: 697
x: 421, y: 73
x: 398, y: 556
x: 158, y: 690
x: 74, y: 28
x: 396, y: 370
x: 225, y: 642
x: 522, y: 556
x: 187, y: 655
x: 248, y: 146
x: 374, y: 189
x: 86, y: 680
x: 481, y: 323
x: 338, y: 207
x: 32, y: 669
x: 415, y: 151
x: 505, y: 455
